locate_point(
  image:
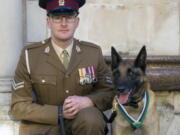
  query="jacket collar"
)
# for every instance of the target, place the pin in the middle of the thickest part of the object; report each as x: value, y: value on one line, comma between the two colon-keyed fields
x: 53, y: 59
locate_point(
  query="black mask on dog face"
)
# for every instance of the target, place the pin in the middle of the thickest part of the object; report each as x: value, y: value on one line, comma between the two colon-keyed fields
x: 127, y: 78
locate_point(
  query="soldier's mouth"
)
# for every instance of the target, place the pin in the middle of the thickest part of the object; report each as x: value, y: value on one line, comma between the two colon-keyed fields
x: 64, y: 30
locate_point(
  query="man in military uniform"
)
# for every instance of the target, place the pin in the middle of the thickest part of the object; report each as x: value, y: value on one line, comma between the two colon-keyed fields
x: 61, y: 76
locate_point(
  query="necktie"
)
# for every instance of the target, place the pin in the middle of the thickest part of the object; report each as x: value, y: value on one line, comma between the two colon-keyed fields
x: 65, y: 58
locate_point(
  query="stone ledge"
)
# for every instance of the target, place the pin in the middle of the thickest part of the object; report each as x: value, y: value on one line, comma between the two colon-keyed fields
x: 5, y: 85
x: 5, y: 99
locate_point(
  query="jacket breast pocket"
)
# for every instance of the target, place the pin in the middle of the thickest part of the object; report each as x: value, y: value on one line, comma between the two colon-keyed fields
x: 45, y: 87
x: 85, y: 88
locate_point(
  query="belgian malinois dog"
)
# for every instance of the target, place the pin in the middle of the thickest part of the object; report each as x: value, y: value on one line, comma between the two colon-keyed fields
x: 134, y: 109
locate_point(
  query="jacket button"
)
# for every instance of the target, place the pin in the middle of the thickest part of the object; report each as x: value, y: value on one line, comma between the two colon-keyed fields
x: 43, y: 81
x: 67, y: 91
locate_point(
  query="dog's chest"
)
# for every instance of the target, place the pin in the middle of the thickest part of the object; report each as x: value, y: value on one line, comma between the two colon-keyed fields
x: 134, y: 112
x: 121, y: 120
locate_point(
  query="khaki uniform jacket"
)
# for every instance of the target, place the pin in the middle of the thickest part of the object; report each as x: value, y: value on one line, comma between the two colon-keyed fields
x: 41, y: 73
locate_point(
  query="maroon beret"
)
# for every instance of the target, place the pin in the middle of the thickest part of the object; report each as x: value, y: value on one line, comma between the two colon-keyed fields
x: 61, y: 4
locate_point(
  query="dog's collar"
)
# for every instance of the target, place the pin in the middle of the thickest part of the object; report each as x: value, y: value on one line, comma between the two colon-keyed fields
x: 136, y: 123
x: 134, y: 102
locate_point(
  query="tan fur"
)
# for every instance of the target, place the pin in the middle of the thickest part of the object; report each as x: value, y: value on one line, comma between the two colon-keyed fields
x: 150, y: 125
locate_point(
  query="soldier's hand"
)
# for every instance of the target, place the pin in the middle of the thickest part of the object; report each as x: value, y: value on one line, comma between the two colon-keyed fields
x: 73, y: 104
x: 69, y: 115
x: 69, y: 110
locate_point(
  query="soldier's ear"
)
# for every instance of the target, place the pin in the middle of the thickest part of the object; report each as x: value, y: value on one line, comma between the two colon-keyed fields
x: 141, y: 59
x: 115, y: 58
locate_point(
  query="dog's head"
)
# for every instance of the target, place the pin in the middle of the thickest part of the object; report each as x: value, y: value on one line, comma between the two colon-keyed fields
x: 128, y: 78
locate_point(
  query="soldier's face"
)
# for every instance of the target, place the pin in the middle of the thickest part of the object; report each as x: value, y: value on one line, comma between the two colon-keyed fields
x: 63, y: 27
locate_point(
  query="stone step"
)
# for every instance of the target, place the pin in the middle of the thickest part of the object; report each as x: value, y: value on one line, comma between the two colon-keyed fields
x: 5, y: 99
x: 4, y: 113
x: 5, y: 85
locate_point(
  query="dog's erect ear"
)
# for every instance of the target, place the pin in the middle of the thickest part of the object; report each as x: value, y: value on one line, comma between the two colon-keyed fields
x: 115, y: 58
x: 141, y: 59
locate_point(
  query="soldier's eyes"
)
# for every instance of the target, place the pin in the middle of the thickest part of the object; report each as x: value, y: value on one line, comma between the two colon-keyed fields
x: 56, y: 17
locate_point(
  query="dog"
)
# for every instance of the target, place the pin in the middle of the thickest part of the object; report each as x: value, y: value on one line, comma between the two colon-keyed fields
x: 134, y: 108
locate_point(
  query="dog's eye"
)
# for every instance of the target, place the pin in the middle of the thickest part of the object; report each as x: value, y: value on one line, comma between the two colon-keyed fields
x: 130, y: 72
x: 116, y: 73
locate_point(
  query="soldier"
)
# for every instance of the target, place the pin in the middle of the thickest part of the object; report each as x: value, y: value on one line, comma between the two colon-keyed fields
x: 61, y: 76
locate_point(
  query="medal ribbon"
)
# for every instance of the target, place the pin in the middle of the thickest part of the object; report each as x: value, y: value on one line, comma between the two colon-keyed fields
x: 135, y: 123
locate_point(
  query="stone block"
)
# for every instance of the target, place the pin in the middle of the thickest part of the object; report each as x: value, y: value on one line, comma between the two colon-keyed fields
x: 165, y: 106
x: 174, y: 127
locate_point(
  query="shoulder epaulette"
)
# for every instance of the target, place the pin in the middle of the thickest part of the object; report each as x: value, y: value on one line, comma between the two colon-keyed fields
x: 26, y: 50
x: 36, y: 45
x: 89, y: 44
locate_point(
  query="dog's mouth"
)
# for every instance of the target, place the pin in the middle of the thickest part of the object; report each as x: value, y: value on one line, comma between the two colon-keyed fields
x: 123, y: 98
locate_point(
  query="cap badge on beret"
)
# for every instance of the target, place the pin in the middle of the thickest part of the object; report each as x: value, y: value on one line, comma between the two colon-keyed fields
x: 61, y: 2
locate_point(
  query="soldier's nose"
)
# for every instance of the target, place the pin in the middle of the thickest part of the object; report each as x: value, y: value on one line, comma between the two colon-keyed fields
x: 64, y: 21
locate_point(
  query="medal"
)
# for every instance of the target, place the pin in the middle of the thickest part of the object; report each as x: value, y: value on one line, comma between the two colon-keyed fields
x: 81, y: 76
x: 87, y: 75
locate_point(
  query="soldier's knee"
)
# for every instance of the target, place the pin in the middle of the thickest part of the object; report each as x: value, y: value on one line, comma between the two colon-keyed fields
x: 91, y: 117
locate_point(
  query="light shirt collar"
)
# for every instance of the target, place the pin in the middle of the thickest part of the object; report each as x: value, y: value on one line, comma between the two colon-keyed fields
x: 59, y: 50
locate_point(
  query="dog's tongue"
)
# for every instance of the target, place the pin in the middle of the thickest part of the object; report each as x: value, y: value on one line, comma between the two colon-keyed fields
x: 123, y: 98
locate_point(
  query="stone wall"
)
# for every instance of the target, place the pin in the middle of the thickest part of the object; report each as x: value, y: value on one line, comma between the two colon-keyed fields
x: 127, y: 25
x: 124, y: 24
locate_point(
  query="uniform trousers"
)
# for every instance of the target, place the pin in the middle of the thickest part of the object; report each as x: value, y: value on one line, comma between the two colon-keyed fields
x: 88, y: 121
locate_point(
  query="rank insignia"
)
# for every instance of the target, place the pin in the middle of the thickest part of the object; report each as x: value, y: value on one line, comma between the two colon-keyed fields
x: 17, y: 86
x: 108, y: 80
x: 87, y: 75
x: 61, y: 2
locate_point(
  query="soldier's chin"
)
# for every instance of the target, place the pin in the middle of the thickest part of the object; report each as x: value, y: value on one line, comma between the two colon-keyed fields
x: 64, y: 38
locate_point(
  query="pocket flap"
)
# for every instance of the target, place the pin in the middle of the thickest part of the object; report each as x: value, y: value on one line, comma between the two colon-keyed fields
x: 44, y: 79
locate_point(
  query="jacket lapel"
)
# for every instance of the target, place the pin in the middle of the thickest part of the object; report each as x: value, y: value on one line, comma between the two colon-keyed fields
x: 76, y: 57
x: 53, y: 58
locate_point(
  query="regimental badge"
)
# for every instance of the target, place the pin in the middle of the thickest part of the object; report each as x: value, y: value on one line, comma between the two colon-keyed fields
x: 78, y: 49
x: 61, y: 2
x: 87, y: 75
x: 47, y: 49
